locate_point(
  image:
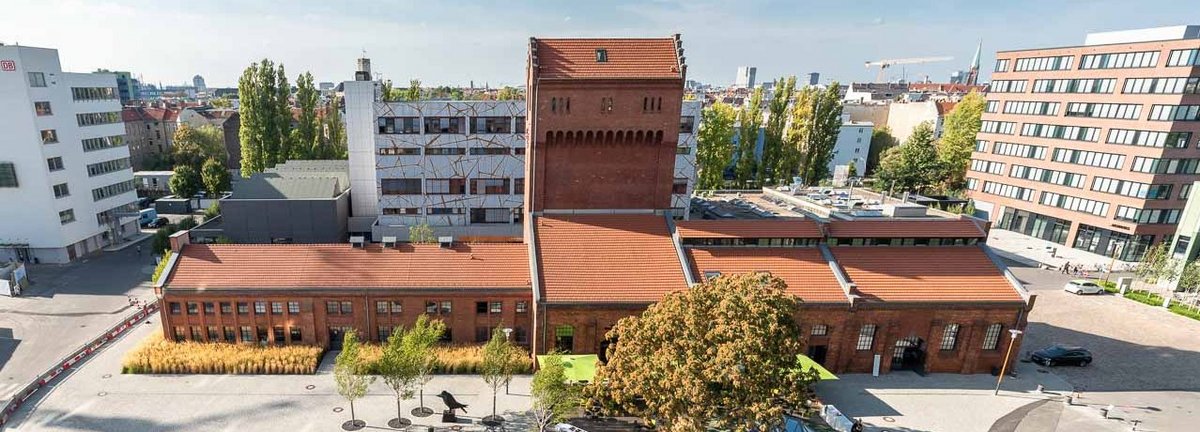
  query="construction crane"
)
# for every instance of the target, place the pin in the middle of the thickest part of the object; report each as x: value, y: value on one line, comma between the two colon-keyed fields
x: 884, y: 64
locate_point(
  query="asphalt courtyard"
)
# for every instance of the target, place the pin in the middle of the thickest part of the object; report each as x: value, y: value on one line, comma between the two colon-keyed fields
x: 65, y: 307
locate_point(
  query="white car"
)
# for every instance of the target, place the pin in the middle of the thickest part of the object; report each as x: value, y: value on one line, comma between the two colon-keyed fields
x: 1082, y: 286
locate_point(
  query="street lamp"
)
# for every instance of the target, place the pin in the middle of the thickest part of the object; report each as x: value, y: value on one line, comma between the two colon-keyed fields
x: 507, y: 338
x: 1013, y: 333
x: 1112, y: 265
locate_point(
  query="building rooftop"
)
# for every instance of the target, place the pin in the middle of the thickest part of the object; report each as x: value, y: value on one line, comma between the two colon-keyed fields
x: 927, y: 274
x: 424, y: 267
x: 643, y: 58
x: 746, y: 228
x: 275, y: 187
x: 804, y: 270
x: 928, y: 228
x: 621, y: 258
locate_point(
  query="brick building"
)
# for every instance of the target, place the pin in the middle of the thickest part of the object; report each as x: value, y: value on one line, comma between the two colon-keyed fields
x: 601, y: 242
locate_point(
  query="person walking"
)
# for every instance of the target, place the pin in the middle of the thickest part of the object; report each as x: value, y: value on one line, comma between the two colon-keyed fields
x: 1066, y: 267
x: 139, y: 250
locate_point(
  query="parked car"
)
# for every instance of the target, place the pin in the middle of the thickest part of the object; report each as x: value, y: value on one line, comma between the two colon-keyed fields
x: 158, y: 223
x: 1060, y: 354
x: 1083, y: 286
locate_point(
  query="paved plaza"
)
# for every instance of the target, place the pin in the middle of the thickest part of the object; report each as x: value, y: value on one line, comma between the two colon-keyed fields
x: 67, y: 306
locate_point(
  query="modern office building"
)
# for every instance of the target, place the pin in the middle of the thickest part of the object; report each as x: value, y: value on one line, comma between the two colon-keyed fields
x: 1092, y: 146
x: 65, y: 176
x: 745, y: 77
x: 459, y: 166
x: 600, y: 242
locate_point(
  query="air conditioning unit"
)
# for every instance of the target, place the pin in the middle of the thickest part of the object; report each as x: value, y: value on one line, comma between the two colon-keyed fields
x: 389, y: 241
x: 358, y: 241
x: 446, y: 241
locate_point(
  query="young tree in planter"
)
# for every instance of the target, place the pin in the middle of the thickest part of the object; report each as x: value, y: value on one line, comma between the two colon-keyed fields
x: 418, y: 342
x: 553, y: 397
x: 399, y: 366
x: 421, y: 234
x: 722, y: 354
x: 500, y: 361
x: 349, y: 371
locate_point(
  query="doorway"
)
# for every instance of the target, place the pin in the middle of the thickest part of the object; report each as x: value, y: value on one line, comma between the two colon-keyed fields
x: 909, y: 354
x: 336, y: 335
x: 818, y: 353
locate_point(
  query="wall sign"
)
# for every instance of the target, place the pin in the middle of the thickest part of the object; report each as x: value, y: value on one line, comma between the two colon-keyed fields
x: 8, y: 65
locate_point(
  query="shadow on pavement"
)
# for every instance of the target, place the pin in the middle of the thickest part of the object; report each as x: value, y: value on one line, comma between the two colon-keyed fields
x: 1117, y: 365
x: 108, y: 273
x: 85, y: 422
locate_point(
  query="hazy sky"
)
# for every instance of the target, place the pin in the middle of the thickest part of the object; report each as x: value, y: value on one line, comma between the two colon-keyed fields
x: 453, y: 42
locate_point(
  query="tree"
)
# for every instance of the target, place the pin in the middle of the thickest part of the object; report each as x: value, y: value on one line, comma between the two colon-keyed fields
x: 553, y: 398
x: 185, y: 182
x: 723, y: 354
x: 283, y: 111
x: 911, y: 166
x: 773, y: 139
x: 162, y: 239
x: 399, y: 366
x: 385, y: 88
x: 881, y: 140
x: 852, y: 168
x: 332, y: 140
x: 213, y: 210
x: 215, y: 177
x: 501, y: 359
x: 1155, y: 264
x: 192, y: 146
x: 419, y: 342
x: 350, y: 374
x: 186, y: 223
x: 509, y: 93
x: 305, y: 136
x: 749, y: 120
x: 958, y: 140
x: 266, y: 116
x: 221, y: 102
x: 714, y: 145
x: 816, y: 122
x: 421, y: 234
x: 414, y: 90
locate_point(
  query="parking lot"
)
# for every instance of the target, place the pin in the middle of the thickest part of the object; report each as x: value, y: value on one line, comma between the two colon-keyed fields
x: 1145, y: 358
x: 66, y: 306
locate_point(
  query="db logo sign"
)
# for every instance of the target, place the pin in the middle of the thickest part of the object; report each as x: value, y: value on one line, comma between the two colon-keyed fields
x: 8, y: 65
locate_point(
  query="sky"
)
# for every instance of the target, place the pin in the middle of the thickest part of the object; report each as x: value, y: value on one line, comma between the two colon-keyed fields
x: 453, y: 42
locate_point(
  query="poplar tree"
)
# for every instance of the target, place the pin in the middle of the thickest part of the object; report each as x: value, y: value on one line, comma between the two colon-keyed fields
x: 304, y: 137
x: 266, y: 116
x: 773, y: 140
x: 750, y: 119
x: 714, y: 145
x: 817, y: 117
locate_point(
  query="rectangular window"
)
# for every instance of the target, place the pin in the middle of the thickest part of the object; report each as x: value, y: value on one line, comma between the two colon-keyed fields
x: 481, y: 307
x: 113, y: 190
x: 866, y: 337
x: 197, y: 334
x: 520, y: 122
x: 444, y: 125
x: 397, y: 307
x: 1179, y: 85
x: 1164, y: 166
x: 276, y: 308
x: 1175, y: 113
x: 489, y: 186
x: 296, y: 336
x: 1082, y: 205
x: 1071, y: 179
x: 401, y: 211
x: 381, y: 307
x: 210, y: 308
x: 495, y: 307
x: 1010, y: 191
x: 998, y: 127
x: 49, y: 136
x: 243, y: 308
x: 293, y: 307
x: 820, y: 330
x: 262, y: 335
x: 399, y: 151
x: 385, y: 332
x: 451, y: 186
x: 230, y: 335
x: 42, y: 109
x: 1104, y: 110
x: 1149, y: 138
x: 81, y: 94
x: 519, y: 186
x: 108, y: 166
x: 214, y: 334
x: 680, y: 186
x: 260, y: 307
x: 277, y: 335
x: 490, y: 151
x: 491, y: 125
x: 1089, y: 158
x: 401, y: 186
x: 1008, y: 86
x: 37, y: 79
x: 399, y: 125
x: 1074, y: 133
x: 100, y: 118
x: 174, y: 307
x: 61, y: 190
x: 482, y: 334
x: 1019, y: 150
x: 180, y: 334
x: 687, y: 124
x: 347, y: 308
x: 991, y: 337
x: 1044, y: 63
x: 1183, y: 57
x: 1031, y: 108
x: 491, y: 215
x: 446, y: 306
x: 8, y: 175
x: 93, y: 144
x: 1001, y: 65
x: 949, y: 337
x: 193, y: 308
x: 431, y: 307
x: 226, y: 308
x: 446, y: 151
x: 1131, y: 188
x: 1143, y: 59
x: 247, y: 334
x: 522, y: 306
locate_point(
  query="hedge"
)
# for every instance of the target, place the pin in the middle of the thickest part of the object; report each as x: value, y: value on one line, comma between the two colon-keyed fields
x: 156, y: 355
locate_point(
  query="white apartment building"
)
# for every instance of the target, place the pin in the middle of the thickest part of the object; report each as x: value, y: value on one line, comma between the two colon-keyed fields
x: 458, y: 166
x: 852, y: 145
x: 65, y: 177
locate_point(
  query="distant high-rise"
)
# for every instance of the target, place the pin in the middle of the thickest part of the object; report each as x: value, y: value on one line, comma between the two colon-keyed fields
x: 198, y: 82
x: 814, y: 78
x: 363, y: 72
x: 745, y: 76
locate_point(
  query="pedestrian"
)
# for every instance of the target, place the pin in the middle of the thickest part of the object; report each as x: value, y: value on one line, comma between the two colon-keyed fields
x: 139, y: 250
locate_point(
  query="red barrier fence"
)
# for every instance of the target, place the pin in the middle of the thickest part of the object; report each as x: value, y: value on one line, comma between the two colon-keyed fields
x: 74, y: 358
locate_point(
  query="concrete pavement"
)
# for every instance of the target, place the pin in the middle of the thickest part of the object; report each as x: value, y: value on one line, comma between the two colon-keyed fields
x: 1033, y: 251
x: 66, y: 306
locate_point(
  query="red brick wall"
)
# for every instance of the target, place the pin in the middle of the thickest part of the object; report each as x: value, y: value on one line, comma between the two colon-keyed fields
x: 314, y: 322
x: 589, y: 157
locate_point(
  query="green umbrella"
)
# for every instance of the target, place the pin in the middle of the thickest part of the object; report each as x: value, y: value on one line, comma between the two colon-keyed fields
x: 807, y: 363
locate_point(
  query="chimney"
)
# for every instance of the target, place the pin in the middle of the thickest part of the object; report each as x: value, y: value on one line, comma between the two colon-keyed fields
x: 179, y: 240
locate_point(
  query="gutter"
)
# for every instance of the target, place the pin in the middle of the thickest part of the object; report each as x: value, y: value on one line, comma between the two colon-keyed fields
x: 683, y: 260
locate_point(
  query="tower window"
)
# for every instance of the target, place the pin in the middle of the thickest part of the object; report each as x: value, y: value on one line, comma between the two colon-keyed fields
x: 601, y: 55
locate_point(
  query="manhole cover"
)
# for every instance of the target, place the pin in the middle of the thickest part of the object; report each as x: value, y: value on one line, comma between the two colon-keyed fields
x: 337, y: 409
x: 889, y: 419
x: 102, y: 394
x: 106, y: 376
x: 310, y: 387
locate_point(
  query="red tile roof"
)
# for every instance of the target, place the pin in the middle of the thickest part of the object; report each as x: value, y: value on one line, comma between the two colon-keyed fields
x: 805, y: 270
x: 607, y: 258
x: 340, y: 266
x: 944, y: 107
x: 749, y: 228
x: 131, y: 114
x: 648, y: 58
x: 944, y: 228
x: 924, y: 274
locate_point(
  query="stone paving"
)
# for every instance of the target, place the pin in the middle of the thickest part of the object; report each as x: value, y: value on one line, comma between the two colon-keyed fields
x: 1033, y: 251
x: 67, y: 306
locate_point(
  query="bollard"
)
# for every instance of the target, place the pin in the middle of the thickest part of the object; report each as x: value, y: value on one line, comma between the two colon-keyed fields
x: 1041, y: 388
x: 1107, y: 410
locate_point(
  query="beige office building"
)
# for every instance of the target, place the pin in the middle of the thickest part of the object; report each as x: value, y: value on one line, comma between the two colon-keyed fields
x: 1093, y: 146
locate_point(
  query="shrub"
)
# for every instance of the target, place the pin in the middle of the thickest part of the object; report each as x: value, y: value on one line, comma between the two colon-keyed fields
x: 162, y: 239
x: 452, y: 359
x: 212, y: 211
x: 157, y: 355
x: 1182, y: 309
x: 187, y: 223
x: 1109, y: 286
x: 162, y: 264
x: 1146, y: 297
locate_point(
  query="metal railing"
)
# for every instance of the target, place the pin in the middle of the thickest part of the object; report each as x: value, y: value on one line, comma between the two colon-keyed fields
x: 72, y: 359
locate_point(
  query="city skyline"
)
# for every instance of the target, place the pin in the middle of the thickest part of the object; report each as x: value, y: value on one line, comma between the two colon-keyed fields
x: 307, y: 35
